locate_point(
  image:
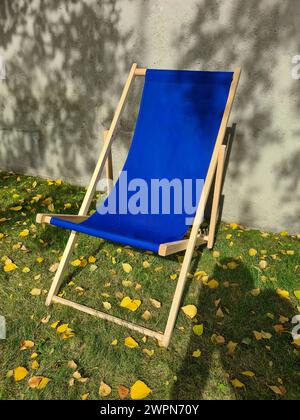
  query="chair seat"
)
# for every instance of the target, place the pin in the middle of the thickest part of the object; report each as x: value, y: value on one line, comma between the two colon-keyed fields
x: 92, y: 226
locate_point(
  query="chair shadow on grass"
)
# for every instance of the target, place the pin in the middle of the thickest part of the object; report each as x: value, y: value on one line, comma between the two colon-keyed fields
x: 274, y: 361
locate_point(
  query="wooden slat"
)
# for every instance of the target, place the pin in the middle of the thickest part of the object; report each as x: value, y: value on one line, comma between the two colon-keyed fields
x: 107, y: 317
x: 178, y: 246
x: 216, y: 197
x: 140, y: 72
x: 46, y: 217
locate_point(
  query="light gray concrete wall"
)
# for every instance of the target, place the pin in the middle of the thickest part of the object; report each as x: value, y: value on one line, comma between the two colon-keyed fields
x: 67, y: 61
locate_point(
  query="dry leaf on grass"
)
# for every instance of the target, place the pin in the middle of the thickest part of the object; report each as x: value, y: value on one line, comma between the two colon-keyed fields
x: 155, y: 303
x: 20, y: 373
x: 26, y: 344
x: 104, y: 390
x: 38, y: 382
x: 123, y: 392
x: 131, y: 304
x: 198, y: 329
x: 237, y: 384
x: 127, y: 268
x: 131, y: 343
x: 190, y: 311
x: 139, y: 390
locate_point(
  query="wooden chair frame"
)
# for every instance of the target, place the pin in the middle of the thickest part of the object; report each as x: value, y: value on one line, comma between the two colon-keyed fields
x: 216, y: 168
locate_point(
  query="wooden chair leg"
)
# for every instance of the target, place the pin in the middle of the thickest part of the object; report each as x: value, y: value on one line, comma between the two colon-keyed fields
x: 216, y: 197
x: 59, y: 275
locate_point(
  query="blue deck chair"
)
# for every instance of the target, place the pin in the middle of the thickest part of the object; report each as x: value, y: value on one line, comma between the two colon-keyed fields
x: 179, y: 136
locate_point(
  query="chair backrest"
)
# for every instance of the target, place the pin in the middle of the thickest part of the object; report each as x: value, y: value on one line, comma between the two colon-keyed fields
x: 176, y: 130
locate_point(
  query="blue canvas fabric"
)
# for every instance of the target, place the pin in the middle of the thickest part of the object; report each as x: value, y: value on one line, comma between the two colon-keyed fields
x: 176, y: 130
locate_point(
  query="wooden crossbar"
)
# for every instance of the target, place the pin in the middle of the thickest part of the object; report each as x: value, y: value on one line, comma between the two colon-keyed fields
x: 216, y: 164
x: 110, y: 318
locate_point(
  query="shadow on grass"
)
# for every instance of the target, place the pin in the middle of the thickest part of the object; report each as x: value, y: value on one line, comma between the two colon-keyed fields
x: 275, y: 362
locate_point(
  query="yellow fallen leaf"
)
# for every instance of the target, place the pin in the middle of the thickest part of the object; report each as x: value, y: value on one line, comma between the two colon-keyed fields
x: 72, y: 365
x: 36, y: 292
x: 190, y: 311
x: 278, y: 390
x: 91, y: 259
x: 297, y: 294
x: 127, y: 268
x: 198, y: 329
x: 24, y: 233
x: 107, y: 306
x: 9, y: 267
x: 26, y: 344
x: 38, y: 382
x: 131, y: 343
x: 1, y: 235
x: 58, y: 182
x: 26, y: 270
x: 17, y: 208
x: 35, y: 364
x: 155, y: 303
x: 216, y: 254
x: 228, y: 237
x: 53, y: 268
x: 290, y: 252
x: 262, y: 335
x: 231, y: 346
x: 213, y: 284
x: 104, y: 390
x: 255, y: 292
x: 283, y: 293
x: 139, y: 390
x: 126, y: 283
x: 85, y: 397
x: 200, y: 274
x: 39, y: 260
x: 76, y: 263
x: 237, y: 384
x: 252, y: 252
x: 62, y: 328
x: 279, y: 328
x: 20, y: 373
x: 114, y: 342
x: 217, y: 339
x: 131, y: 304
x: 249, y: 374
x: 283, y: 319
x: 296, y: 342
x: 149, y: 353
x: 197, y: 354
x: 233, y: 226
x: 146, y: 316
x: 77, y: 375
x: 284, y: 234
x: 263, y: 264
x: 146, y: 264
x: 55, y: 324
x: 33, y: 356
x: 232, y: 265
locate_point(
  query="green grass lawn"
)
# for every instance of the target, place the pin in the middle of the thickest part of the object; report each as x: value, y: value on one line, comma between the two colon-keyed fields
x: 244, y: 300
